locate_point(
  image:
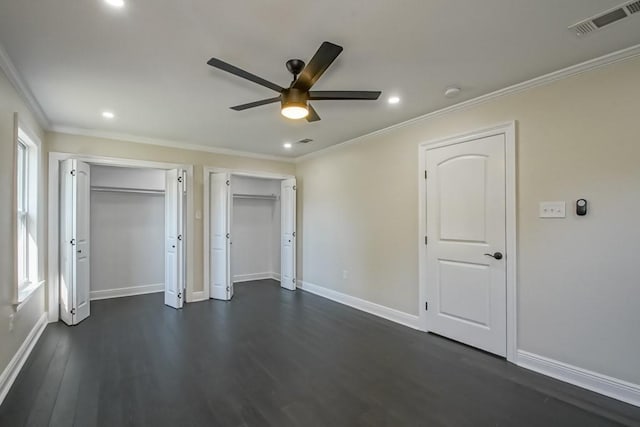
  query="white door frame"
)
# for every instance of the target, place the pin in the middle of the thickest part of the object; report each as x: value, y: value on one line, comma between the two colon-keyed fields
x: 53, y: 267
x: 509, y: 131
x: 206, y: 243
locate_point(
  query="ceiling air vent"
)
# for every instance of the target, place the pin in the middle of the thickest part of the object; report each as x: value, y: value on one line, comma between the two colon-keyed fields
x: 305, y: 141
x: 633, y: 7
x: 609, y: 17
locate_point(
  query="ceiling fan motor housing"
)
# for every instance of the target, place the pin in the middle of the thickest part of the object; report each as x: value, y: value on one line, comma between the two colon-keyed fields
x: 294, y: 97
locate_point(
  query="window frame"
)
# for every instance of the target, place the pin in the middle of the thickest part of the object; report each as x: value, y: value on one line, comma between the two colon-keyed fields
x: 28, y: 203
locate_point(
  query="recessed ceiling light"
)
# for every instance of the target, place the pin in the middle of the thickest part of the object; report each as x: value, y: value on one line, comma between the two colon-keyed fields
x: 287, y: 145
x: 115, y: 3
x: 394, y: 100
x: 108, y: 115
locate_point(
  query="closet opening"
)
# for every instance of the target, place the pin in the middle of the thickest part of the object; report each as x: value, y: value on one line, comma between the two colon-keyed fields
x: 119, y: 230
x: 250, y: 221
x: 127, y: 223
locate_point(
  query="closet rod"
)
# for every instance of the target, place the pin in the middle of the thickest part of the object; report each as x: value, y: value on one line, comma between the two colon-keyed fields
x: 255, y: 196
x: 126, y: 190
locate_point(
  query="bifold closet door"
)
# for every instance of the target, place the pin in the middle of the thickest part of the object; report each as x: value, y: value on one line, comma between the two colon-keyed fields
x: 75, y: 273
x: 221, y: 286
x: 288, y: 230
x: 174, y: 277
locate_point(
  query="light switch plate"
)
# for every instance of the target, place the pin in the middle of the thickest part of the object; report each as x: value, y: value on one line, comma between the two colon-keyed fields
x: 553, y: 209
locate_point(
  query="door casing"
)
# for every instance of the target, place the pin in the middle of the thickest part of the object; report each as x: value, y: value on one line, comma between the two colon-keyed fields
x: 53, y: 211
x: 509, y: 131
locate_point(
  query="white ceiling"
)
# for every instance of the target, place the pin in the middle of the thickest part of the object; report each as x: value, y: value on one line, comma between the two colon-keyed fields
x: 147, y: 61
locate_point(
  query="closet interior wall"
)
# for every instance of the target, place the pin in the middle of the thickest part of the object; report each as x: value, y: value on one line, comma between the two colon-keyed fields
x: 255, y: 228
x: 127, y: 231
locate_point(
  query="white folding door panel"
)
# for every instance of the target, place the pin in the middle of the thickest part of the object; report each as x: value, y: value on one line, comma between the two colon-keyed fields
x: 288, y: 230
x: 75, y: 255
x: 221, y: 286
x: 466, y: 221
x: 174, y: 239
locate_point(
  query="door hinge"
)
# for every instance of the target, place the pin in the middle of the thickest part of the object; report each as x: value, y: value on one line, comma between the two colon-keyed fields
x: 425, y: 174
x: 294, y: 188
x: 179, y: 236
x: 426, y: 240
x: 73, y: 172
x: 180, y: 179
x: 179, y: 295
x: 426, y: 306
x: 73, y: 311
x: 73, y: 242
x: 228, y: 182
x: 294, y: 234
x: 227, y: 289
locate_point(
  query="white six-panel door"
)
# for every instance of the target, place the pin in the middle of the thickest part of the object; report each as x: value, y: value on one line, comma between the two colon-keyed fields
x: 75, y: 255
x: 466, y: 222
x: 288, y: 231
x: 221, y: 286
x: 174, y: 281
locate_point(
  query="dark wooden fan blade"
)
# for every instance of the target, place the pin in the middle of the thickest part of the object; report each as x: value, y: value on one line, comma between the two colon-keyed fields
x: 214, y: 62
x: 256, y: 104
x: 313, y: 115
x: 344, y: 94
x: 324, y: 57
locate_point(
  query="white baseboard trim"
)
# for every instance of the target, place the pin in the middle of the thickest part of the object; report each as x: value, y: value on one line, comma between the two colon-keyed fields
x: 127, y: 292
x: 603, y: 384
x: 198, y: 296
x: 391, y: 314
x: 239, y: 278
x: 12, y: 370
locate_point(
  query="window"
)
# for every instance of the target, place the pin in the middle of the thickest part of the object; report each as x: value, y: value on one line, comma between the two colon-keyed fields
x: 23, y: 215
x: 27, y: 176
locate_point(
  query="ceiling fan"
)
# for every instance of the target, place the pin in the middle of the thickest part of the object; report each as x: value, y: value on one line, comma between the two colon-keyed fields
x: 295, y: 99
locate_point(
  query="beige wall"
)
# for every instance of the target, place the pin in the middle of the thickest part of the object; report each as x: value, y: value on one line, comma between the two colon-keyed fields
x: 12, y: 332
x: 578, y: 278
x: 59, y: 142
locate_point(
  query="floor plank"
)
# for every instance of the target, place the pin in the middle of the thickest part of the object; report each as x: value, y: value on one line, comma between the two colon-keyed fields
x: 272, y: 357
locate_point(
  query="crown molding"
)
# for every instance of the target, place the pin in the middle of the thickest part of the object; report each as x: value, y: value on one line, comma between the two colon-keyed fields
x: 23, y: 90
x: 583, y: 67
x: 166, y: 143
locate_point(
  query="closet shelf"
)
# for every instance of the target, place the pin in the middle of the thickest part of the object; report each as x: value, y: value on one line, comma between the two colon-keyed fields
x: 126, y: 190
x: 256, y: 196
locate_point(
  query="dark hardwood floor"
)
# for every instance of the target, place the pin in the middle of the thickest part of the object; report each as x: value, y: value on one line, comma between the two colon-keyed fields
x: 273, y: 357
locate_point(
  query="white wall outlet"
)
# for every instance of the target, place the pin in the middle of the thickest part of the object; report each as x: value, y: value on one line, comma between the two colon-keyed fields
x: 553, y: 209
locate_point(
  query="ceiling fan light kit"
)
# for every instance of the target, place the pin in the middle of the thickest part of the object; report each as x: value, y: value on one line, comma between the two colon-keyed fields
x: 294, y: 104
x: 295, y: 99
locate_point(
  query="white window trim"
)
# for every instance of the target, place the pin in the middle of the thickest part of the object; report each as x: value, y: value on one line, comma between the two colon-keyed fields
x: 34, y: 190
